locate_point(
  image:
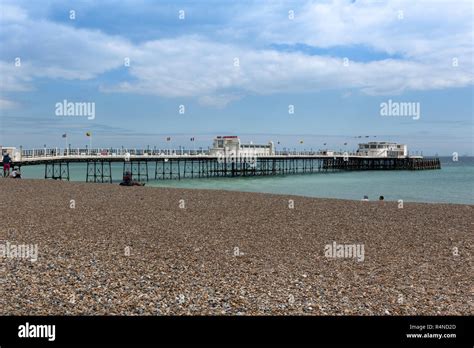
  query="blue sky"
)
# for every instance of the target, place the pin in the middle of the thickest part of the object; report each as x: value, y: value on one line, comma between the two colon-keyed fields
x: 334, y: 61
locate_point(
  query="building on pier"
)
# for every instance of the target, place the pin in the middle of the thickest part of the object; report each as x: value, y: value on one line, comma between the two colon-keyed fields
x: 231, y: 145
x: 383, y: 149
x: 14, y: 153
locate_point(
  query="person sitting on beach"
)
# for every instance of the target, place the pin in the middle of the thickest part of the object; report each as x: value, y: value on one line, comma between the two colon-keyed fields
x: 127, y: 180
x: 7, y: 161
x: 15, y: 174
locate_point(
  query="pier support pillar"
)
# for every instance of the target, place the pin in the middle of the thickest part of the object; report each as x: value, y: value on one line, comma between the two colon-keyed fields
x: 56, y: 170
x: 99, y: 171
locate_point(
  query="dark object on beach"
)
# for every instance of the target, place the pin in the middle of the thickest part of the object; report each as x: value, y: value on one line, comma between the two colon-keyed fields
x: 133, y: 183
x: 127, y: 180
x: 381, y: 198
x: 366, y: 198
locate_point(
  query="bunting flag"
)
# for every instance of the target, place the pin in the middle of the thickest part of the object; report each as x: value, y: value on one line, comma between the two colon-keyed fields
x: 88, y: 134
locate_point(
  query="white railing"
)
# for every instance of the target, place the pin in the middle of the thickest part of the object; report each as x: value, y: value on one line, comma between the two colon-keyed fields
x: 42, y: 153
x: 111, y: 152
x: 46, y: 153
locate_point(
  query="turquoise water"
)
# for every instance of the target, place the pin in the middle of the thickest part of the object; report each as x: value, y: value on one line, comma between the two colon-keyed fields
x: 454, y: 183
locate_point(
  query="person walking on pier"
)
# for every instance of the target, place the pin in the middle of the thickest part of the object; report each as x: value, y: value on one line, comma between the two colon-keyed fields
x: 6, y: 161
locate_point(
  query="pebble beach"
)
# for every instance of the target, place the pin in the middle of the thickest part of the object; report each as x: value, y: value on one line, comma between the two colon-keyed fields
x: 103, y: 249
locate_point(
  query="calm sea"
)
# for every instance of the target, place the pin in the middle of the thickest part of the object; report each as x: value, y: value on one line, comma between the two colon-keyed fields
x: 454, y: 183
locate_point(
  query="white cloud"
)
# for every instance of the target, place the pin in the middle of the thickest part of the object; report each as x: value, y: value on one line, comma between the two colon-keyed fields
x: 428, y: 37
x: 192, y: 66
x: 424, y: 28
x: 52, y: 50
x: 15, y: 79
x: 7, y: 104
x: 218, y: 100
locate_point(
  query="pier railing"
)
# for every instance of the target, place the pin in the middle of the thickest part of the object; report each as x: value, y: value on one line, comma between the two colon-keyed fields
x: 117, y: 152
x: 56, y: 152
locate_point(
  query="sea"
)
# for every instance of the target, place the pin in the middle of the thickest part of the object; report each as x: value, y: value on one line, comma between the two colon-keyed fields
x: 453, y: 183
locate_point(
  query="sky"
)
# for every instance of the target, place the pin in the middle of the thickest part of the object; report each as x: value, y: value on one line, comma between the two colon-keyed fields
x: 182, y: 69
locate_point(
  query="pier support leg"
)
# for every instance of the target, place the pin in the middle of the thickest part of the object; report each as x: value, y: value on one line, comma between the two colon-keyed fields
x: 56, y: 170
x: 99, y: 171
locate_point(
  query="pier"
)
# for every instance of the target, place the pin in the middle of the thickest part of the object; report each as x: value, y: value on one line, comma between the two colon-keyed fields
x: 181, y: 164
